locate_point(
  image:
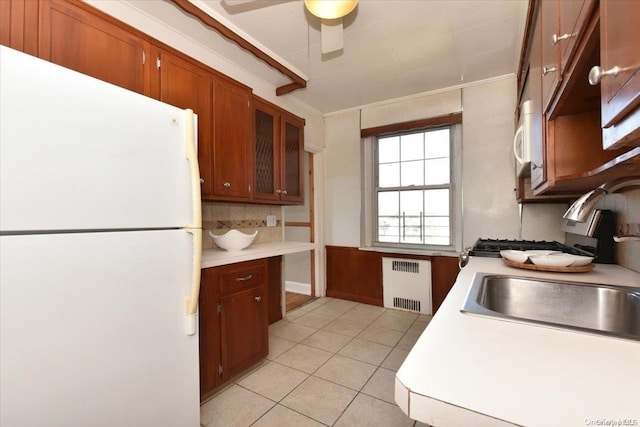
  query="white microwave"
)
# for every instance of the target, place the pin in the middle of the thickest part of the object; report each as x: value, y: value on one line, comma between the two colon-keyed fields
x: 522, y: 141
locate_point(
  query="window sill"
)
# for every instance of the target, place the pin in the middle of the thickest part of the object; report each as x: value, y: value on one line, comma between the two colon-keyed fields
x: 392, y: 250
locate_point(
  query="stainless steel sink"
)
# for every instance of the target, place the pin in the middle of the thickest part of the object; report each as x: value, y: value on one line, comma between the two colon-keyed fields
x: 586, y: 307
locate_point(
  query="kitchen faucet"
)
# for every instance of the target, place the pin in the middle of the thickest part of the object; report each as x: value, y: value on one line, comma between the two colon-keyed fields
x: 581, y: 208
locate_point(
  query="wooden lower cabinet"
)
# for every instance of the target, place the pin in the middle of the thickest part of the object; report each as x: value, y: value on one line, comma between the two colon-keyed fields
x: 233, y: 321
x: 243, y: 330
x: 356, y: 275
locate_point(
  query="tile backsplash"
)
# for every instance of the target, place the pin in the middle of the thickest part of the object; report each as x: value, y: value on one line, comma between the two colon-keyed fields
x: 222, y: 217
x: 627, y: 211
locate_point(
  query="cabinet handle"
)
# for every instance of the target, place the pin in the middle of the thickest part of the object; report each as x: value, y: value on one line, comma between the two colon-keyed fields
x: 547, y: 70
x: 556, y: 38
x: 227, y: 185
x: 244, y: 279
x: 597, y: 74
x: 258, y: 299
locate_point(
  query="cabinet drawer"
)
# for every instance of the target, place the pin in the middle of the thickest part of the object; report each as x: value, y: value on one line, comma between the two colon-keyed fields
x: 236, y: 280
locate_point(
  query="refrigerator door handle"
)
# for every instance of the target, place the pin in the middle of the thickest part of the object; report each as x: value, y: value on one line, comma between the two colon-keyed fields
x: 192, y: 299
x: 195, y: 228
x: 191, y: 155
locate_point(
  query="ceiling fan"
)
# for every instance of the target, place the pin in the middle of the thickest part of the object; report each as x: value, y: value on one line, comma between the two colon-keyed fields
x: 330, y: 13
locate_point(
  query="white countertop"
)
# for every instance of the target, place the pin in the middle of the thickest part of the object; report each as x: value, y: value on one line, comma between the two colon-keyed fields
x: 471, y: 370
x: 216, y: 257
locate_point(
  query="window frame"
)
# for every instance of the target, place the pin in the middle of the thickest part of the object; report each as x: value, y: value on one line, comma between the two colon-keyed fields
x: 369, y: 217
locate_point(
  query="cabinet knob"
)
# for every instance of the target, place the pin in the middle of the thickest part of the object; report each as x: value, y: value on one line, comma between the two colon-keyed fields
x: 227, y: 185
x: 201, y: 181
x: 597, y: 74
x: 284, y: 191
x: 547, y: 70
x: 556, y: 38
x: 278, y: 191
x: 258, y: 299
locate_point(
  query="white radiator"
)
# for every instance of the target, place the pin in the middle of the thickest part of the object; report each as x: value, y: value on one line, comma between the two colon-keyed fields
x: 406, y: 284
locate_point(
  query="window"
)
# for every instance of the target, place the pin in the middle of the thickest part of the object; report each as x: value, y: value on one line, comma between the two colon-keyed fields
x: 413, y: 188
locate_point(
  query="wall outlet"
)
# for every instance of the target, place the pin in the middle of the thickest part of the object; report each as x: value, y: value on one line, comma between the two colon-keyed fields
x: 271, y: 220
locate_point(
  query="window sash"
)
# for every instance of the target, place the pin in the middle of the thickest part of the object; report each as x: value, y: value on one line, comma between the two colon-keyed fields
x: 424, y: 239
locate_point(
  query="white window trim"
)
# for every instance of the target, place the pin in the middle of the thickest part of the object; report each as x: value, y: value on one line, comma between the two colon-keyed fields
x: 368, y: 219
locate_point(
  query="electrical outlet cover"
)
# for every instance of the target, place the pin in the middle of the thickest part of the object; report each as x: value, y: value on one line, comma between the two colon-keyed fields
x: 271, y: 220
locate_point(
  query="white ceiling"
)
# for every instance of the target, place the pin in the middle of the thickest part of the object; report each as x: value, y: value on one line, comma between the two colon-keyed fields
x: 392, y: 48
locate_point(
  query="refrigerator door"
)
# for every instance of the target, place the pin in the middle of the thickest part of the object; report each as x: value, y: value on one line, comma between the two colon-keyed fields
x: 94, y: 334
x: 77, y: 153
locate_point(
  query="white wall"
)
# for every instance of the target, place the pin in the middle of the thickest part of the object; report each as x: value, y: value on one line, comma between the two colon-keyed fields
x: 342, y: 191
x: 489, y: 205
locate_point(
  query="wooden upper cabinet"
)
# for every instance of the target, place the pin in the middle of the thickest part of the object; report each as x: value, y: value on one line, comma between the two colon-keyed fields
x: 292, y: 159
x: 279, y: 151
x: 72, y: 37
x: 551, y: 74
x: 183, y: 83
x: 267, y: 151
x: 232, y: 146
x: 18, y: 18
x: 573, y: 18
x: 620, y: 47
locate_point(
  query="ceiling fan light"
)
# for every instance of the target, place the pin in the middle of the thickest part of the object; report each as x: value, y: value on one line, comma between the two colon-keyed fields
x: 330, y: 9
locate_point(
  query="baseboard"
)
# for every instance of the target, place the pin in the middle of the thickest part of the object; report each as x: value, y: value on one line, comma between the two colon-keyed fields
x: 297, y: 287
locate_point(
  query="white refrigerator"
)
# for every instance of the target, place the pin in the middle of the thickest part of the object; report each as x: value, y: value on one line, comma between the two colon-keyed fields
x: 100, y: 245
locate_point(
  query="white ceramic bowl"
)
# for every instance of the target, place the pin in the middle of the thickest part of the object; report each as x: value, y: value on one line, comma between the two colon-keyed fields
x: 579, y: 260
x: 233, y: 240
x: 541, y: 252
x: 516, y: 256
x: 552, y: 260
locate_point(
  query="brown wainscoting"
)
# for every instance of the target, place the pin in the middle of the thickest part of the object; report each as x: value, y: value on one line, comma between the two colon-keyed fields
x: 356, y: 275
x: 444, y: 270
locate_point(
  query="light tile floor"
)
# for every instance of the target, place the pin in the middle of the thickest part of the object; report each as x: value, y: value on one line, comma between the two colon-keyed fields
x: 331, y: 362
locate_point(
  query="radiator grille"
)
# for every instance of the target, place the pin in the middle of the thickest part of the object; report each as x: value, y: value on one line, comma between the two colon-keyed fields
x: 406, y: 266
x: 406, y: 304
x: 406, y: 284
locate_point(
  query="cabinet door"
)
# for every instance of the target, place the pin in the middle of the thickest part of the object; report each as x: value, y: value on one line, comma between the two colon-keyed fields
x: 292, y: 163
x: 534, y: 80
x: 232, y: 147
x: 243, y: 321
x: 550, y: 52
x: 17, y: 20
x: 74, y: 38
x: 209, y: 333
x: 619, y: 47
x: 184, y: 84
x: 573, y: 17
x: 267, y: 152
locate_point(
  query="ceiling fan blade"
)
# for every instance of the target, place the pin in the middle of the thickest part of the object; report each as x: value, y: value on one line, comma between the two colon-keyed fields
x: 332, y: 35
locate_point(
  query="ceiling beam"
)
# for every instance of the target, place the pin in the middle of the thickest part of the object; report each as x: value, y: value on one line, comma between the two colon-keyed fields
x: 297, y: 81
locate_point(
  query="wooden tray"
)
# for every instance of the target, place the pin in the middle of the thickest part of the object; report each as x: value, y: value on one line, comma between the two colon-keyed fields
x: 526, y: 266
